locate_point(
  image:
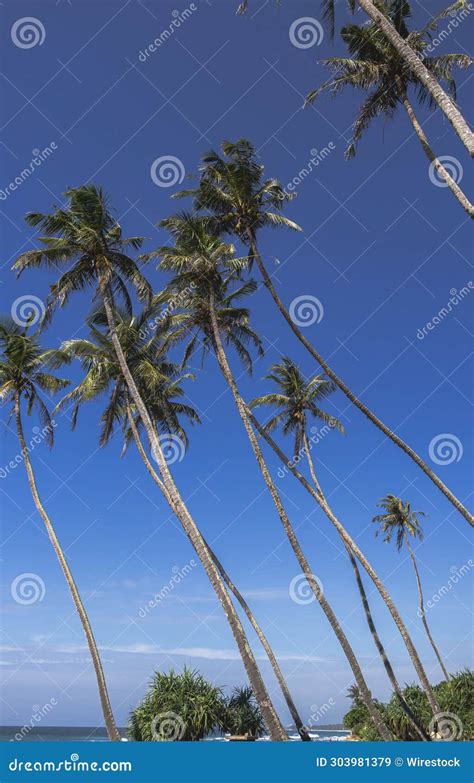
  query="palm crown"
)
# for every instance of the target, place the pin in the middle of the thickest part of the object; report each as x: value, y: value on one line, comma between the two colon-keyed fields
x: 24, y: 372
x: 85, y: 235
x: 296, y: 399
x: 157, y: 378
x: 232, y: 189
x: 377, y: 67
x: 398, y: 520
x: 208, y: 270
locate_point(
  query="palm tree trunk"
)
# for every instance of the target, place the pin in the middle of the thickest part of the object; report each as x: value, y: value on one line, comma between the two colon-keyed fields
x: 368, y: 614
x: 110, y: 724
x: 238, y: 595
x: 177, y: 505
x: 419, y: 69
x: 443, y: 173
x: 362, y: 560
x: 358, y: 403
x: 295, y: 545
x: 422, y: 611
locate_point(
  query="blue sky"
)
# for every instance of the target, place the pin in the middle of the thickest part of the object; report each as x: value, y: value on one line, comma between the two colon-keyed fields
x: 382, y: 248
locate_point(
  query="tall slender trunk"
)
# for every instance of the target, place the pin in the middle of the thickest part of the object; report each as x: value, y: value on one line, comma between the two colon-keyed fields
x: 177, y: 505
x: 368, y: 614
x: 443, y: 173
x: 422, y: 610
x: 243, y: 603
x: 352, y: 397
x: 295, y: 545
x: 110, y: 724
x: 419, y: 69
x: 362, y: 560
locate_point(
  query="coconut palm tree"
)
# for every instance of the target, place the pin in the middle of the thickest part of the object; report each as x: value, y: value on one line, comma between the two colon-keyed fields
x: 240, y: 202
x: 25, y: 379
x: 382, y: 15
x: 296, y: 402
x: 349, y: 541
x: 161, y: 389
x: 400, y: 522
x: 213, y: 317
x: 85, y: 236
x: 374, y: 66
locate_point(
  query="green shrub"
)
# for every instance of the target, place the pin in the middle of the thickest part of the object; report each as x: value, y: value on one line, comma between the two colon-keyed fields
x: 242, y: 714
x: 455, y: 698
x: 185, y: 707
x: 177, y: 707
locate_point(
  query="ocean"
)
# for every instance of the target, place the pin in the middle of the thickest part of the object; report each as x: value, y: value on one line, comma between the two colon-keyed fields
x: 90, y: 734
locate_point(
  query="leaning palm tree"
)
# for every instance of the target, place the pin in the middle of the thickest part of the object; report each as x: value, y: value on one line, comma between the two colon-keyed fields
x: 381, y: 14
x: 241, y: 202
x: 212, y: 317
x: 374, y: 66
x: 297, y: 401
x: 85, y: 237
x: 400, y: 522
x: 25, y: 378
x: 349, y: 541
x: 161, y: 388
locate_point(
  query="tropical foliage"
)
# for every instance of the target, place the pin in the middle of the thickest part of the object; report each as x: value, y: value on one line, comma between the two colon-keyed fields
x: 455, y: 721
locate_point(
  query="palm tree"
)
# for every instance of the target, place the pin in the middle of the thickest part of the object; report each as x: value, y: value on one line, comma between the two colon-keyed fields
x: 296, y: 401
x: 349, y: 541
x: 381, y: 16
x: 211, y: 316
x: 400, y: 521
x: 375, y: 66
x: 162, y: 391
x: 24, y: 378
x: 85, y: 236
x: 232, y: 189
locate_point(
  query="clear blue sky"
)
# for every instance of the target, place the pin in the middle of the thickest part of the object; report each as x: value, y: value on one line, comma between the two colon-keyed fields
x: 382, y: 248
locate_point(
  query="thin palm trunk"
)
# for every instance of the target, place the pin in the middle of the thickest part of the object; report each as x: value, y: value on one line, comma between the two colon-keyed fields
x: 177, y: 505
x: 441, y: 170
x: 368, y: 614
x: 110, y: 724
x: 295, y: 545
x: 352, y: 397
x: 238, y: 595
x: 422, y: 610
x: 419, y: 69
x: 362, y: 560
